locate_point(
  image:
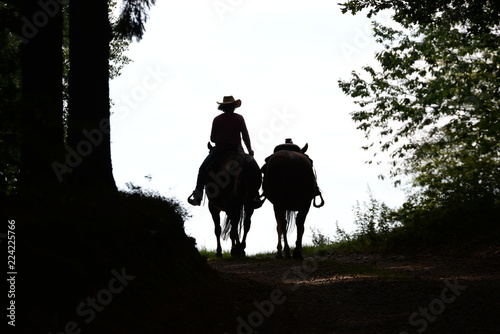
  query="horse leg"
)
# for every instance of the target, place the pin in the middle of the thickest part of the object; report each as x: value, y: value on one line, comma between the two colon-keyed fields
x: 279, y: 247
x: 281, y: 229
x: 300, y: 221
x: 246, y: 224
x: 216, y: 218
x: 234, y: 219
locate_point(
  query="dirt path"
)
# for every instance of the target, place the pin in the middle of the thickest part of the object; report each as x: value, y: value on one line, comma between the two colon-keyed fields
x: 351, y: 293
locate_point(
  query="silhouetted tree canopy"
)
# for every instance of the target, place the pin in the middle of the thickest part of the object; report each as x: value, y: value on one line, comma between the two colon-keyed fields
x: 474, y: 15
x: 132, y: 19
x: 432, y: 102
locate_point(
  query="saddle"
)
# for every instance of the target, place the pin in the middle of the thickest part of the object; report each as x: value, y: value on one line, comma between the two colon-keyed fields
x: 237, y: 155
x: 287, y: 147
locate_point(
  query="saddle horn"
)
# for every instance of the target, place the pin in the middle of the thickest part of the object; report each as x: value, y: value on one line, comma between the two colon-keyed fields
x: 210, y: 146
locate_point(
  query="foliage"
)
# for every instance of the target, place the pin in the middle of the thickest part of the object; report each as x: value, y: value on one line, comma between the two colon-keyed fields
x: 132, y: 18
x: 417, y: 224
x: 478, y: 16
x: 117, y: 47
x: 174, y: 203
x: 373, y: 218
x: 10, y: 85
x: 375, y: 222
x: 319, y: 239
x: 433, y: 104
x: 342, y: 235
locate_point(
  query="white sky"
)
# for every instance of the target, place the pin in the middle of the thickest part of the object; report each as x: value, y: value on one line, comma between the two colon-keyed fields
x: 283, y: 60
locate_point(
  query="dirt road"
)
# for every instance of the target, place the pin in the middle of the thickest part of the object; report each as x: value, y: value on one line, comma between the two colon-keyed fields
x: 350, y: 293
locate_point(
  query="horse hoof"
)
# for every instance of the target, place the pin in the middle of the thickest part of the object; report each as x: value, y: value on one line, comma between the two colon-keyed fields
x: 238, y: 252
x: 279, y: 256
x: 297, y: 255
x: 219, y: 255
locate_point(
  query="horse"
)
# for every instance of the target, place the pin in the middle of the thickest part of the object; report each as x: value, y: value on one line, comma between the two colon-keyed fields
x: 290, y: 185
x: 232, y: 185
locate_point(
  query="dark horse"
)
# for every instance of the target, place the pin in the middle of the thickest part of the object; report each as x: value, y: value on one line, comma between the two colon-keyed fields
x: 232, y: 185
x: 290, y: 184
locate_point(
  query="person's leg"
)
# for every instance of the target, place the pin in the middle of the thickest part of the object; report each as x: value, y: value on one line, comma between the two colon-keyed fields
x: 197, y: 195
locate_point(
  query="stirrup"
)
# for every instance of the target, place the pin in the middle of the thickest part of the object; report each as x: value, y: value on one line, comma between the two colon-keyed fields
x: 193, y: 199
x: 320, y: 203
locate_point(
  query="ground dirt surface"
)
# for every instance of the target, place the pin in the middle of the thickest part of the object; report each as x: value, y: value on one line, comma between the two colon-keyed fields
x: 336, y: 293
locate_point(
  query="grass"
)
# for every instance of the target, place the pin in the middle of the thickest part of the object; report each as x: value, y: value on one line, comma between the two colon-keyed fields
x: 210, y: 254
x: 226, y: 255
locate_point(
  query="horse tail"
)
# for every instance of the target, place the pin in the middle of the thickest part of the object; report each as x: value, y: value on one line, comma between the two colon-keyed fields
x: 226, y: 229
x: 228, y: 223
x: 290, y: 220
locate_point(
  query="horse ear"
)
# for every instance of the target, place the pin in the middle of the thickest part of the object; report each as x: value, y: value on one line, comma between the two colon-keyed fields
x: 210, y: 146
x: 304, y: 149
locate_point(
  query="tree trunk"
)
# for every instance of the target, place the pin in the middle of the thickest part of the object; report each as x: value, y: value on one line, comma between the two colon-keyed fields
x: 89, y: 146
x: 42, y: 141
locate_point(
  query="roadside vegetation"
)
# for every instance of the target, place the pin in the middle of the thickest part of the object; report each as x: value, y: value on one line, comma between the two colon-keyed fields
x: 411, y: 227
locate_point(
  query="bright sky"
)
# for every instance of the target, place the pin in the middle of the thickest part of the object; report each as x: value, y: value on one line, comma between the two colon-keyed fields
x: 283, y: 60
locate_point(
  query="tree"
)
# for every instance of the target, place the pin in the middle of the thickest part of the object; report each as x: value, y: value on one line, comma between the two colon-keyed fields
x: 41, y: 90
x: 18, y: 29
x: 434, y: 101
x: 89, y: 110
x: 88, y: 119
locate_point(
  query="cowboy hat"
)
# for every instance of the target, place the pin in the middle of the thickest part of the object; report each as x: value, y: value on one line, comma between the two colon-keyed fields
x: 229, y: 100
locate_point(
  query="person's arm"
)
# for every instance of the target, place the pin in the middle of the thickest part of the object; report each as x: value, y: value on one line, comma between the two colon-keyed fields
x: 246, y: 137
x: 212, y: 132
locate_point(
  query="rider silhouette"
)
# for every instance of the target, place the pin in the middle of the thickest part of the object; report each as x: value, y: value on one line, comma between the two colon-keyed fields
x: 227, y: 131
